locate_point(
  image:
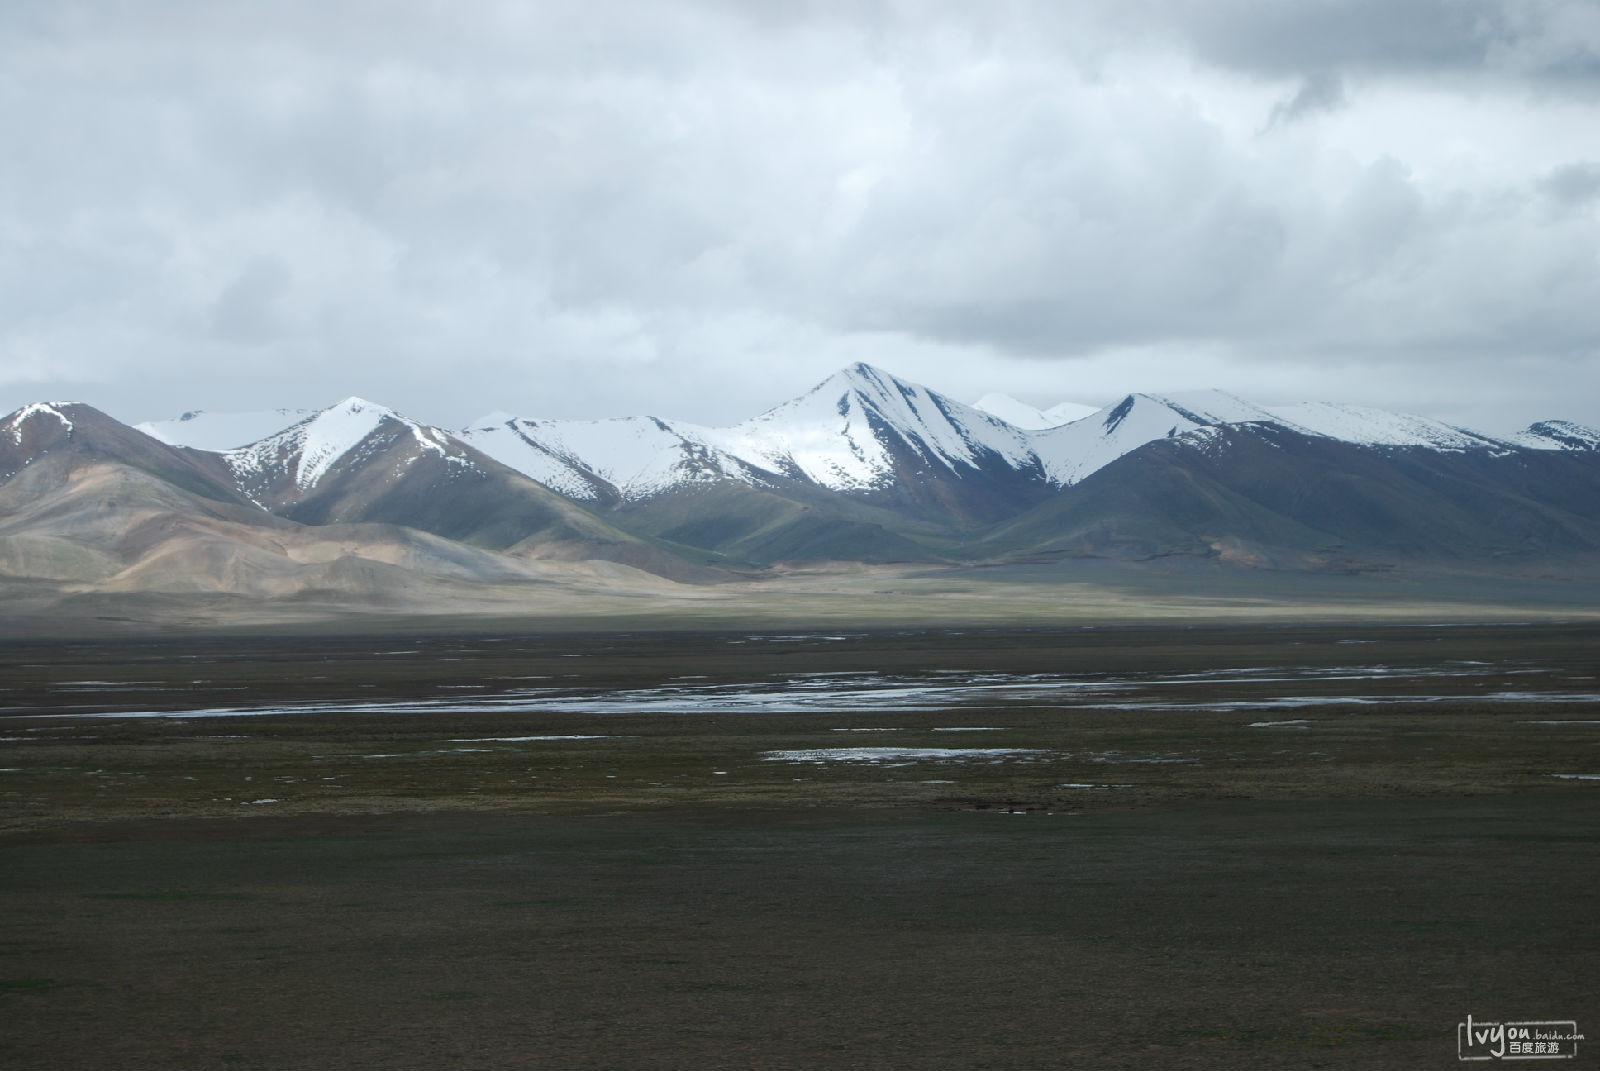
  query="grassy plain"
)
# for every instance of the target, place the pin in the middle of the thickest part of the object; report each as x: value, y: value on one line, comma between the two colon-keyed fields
x: 1247, y: 845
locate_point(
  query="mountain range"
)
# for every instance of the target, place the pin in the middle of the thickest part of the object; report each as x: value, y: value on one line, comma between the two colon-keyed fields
x: 864, y: 468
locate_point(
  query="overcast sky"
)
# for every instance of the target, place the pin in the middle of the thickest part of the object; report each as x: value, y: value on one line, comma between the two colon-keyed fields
x: 700, y: 209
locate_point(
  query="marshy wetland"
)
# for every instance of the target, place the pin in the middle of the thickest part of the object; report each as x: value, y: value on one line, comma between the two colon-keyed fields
x: 1239, y: 845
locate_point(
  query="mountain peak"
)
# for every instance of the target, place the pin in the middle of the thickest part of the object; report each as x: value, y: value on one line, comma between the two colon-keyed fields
x: 1072, y: 451
x: 497, y: 418
x: 863, y: 370
x: 34, y: 410
x: 860, y: 378
x: 1206, y: 407
x: 1028, y: 418
x: 860, y: 426
x: 355, y: 404
x: 221, y: 431
x: 318, y: 442
x: 1558, y: 435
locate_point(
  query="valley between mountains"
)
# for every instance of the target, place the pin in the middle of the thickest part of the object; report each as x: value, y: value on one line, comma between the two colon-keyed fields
x: 869, y: 498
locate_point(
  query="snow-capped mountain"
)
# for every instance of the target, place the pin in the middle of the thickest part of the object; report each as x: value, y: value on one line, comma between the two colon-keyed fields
x: 89, y: 505
x: 606, y: 461
x: 864, y: 432
x: 856, y: 429
x: 43, y: 442
x: 1264, y: 493
x: 359, y: 462
x: 861, y: 431
x: 1558, y: 435
x: 1075, y: 450
x: 204, y: 430
x: 285, y: 466
x: 31, y: 431
x: 864, y: 467
x: 1366, y: 426
x: 1024, y: 416
x: 849, y: 433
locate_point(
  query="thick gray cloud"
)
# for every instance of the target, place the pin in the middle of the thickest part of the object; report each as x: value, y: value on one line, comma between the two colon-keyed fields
x: 699, y: 209
x: 1548, y: 45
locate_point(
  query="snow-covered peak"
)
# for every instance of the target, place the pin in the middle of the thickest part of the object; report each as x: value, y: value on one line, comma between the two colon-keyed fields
x: 311, y: 448
x: 1022, y: 415
x: 861, y: 429
x: 1378, y: 427
x: 845, y: 434
x: 1029, y: 418
x: 860, y: 376
x: 1558, y: 435
x: 1073, y: 451
x: 496, y: 419
x: 1066, y: 413
x: 332, y: 433
x: 1209, y: 407
x: 36, y: 410
x: 838, y: 434
x: 634, y: 457
x: 220, y: 431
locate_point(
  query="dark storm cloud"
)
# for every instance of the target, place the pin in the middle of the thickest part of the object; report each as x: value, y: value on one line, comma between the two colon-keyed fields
x: 1546, y: 44
x: 1400, y: 36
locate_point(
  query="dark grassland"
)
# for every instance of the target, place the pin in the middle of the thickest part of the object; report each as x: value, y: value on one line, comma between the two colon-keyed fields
x: 1154, y: 882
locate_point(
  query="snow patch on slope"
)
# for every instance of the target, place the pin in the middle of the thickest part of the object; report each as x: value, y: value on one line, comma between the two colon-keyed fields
x: 1066, y: 412
x: 332, y: 433
x: 1558, y: 435
x: 1378, y: 427
x: 309, y: 450
x: 1024, y: 416
x: 1074, y: 451
x: 33, y: 409
x: 219, y: 432
x: 835, y: 434
x: 518, y: 444
x: 636, y: 456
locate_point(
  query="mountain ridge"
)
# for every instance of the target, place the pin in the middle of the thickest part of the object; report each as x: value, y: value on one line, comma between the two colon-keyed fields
x: 863, y: 468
